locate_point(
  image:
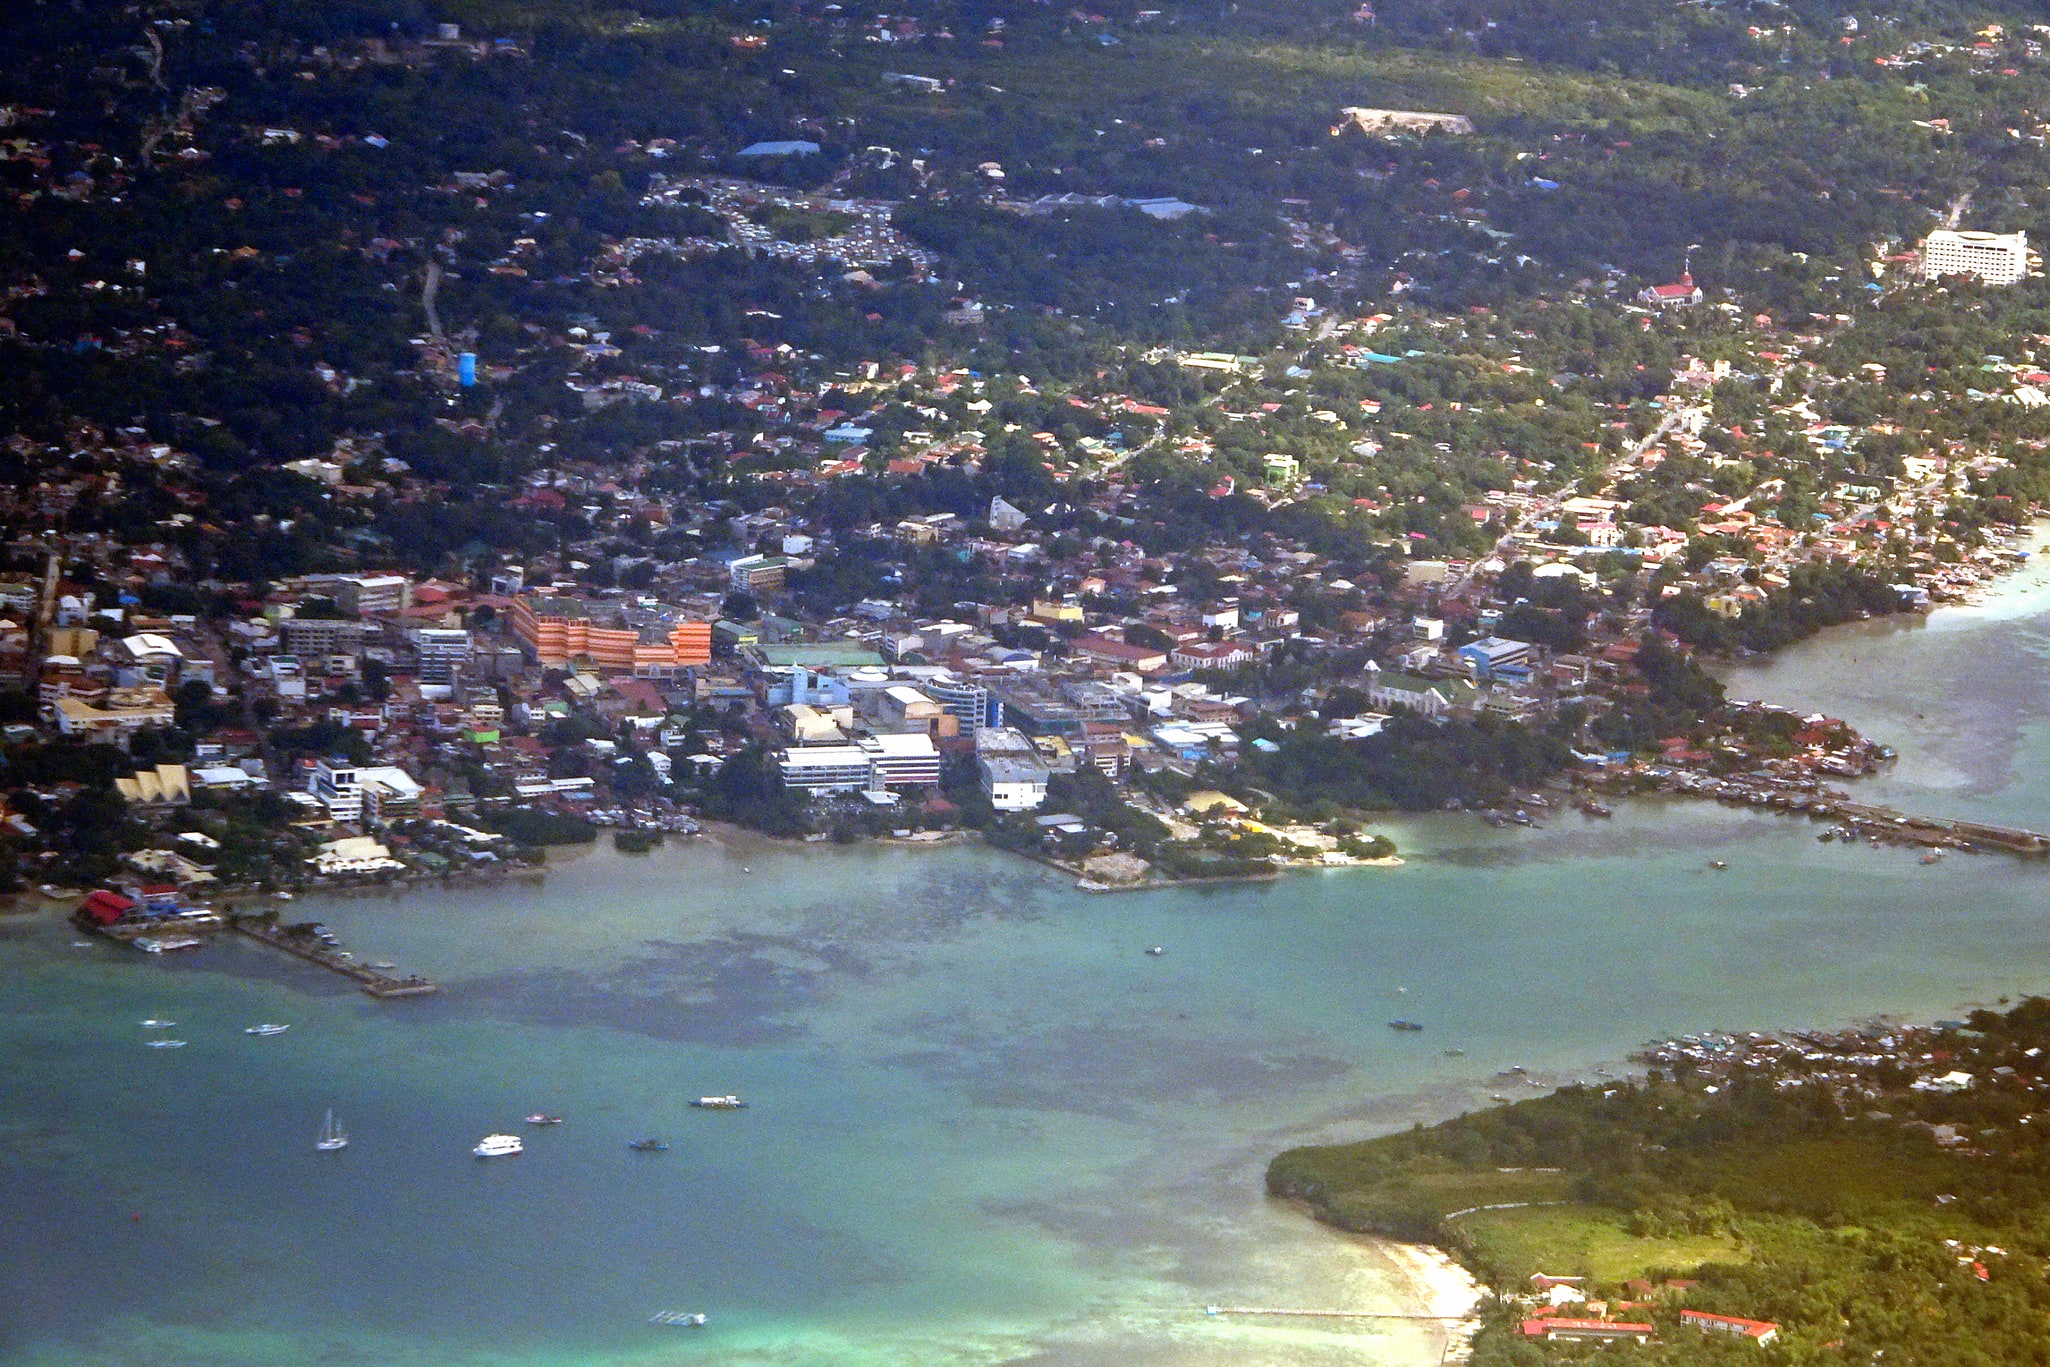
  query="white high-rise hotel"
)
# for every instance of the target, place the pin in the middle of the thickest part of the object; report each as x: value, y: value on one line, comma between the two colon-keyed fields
x: 1995, y: 258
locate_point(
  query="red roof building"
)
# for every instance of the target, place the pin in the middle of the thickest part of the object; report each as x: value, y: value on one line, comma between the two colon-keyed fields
x: 104, y: 908
x: 1586, y: 1331
x: 1758, y: 1331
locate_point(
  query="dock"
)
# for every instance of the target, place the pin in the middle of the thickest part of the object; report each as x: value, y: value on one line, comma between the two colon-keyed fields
x: 1216, y: 1310
x: 372, y: 981
x: 1859, y: 820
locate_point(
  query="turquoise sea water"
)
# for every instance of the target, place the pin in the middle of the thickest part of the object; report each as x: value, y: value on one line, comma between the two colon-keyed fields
x: 986, y: 1126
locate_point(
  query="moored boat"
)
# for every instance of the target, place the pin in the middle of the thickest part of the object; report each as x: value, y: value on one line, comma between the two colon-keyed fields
x: 720, y: 1103
x: 332, y: 1137
x: 542, y: 1118
x: 649, y: 1145
x: 1404, y: 1025
x: 167, y: 1044
x: 267, y: 1028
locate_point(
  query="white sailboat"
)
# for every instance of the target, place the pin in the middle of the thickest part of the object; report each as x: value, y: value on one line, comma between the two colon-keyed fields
x: 332, y: 1139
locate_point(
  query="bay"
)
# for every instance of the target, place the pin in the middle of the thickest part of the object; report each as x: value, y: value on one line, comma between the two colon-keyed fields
x: 986, y: 1126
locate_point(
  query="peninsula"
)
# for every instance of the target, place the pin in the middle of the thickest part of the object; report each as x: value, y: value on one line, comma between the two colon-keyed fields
x: 1851, y: 1194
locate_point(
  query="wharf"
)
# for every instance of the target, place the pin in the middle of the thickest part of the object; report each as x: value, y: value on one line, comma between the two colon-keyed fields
x: 184, y: 923
x: 1859, y: 820
x: 377, y: 984
x: 1216, y: 1310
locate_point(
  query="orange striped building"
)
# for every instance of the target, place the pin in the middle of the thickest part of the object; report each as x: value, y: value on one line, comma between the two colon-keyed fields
x: 560, y: 631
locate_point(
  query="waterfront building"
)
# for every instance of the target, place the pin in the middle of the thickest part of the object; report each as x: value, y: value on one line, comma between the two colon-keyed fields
x: 389, y: 793
x: 338, y: 786
x: 1014, y: 777
x: 872, y: 764
x: 825, y: 768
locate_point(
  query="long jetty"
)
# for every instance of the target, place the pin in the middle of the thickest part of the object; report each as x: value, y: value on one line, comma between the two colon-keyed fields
x: 372, y: 981
x: 1216, y: 1310
x: 1860, y: 820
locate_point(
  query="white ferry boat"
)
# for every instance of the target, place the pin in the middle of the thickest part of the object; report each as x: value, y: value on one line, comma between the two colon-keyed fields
x: 499, y: 1146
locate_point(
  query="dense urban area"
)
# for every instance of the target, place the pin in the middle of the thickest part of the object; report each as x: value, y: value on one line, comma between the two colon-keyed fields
x: 1158, y: 442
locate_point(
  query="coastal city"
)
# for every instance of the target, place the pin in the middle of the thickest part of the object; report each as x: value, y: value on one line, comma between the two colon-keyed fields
x: 631, y: 581
x: 681, y: 660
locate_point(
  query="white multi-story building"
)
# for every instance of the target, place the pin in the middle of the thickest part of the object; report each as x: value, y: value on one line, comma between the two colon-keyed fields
x: 873, y: 763
x: 338, y: 786
x: 443, y: 653
x: 1013, y: 774
x: 1995, y: 258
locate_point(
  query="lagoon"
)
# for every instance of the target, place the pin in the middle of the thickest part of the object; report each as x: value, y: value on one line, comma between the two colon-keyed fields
x: 986, y: 1126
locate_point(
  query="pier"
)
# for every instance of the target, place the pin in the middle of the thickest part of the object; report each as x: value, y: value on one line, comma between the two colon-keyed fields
x: 1215, y: 1310
x: 1858, y: 820
x: 372, y: 981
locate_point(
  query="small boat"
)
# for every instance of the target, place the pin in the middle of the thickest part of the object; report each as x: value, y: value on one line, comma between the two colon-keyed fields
x: 1717, y: 864
x: 267, y: 1028
x: 167, y: 1044
x: 1499, y: 1097
x: 1157, y: 951
x: 677, y: 1319
x: 720, y: 1103
x: 332, y: 1138
x: 499, y: 1146
x: 1933, y: 857
x: 648, y: 1145
x: 540, y: 1118
x: 1404, y: 1025
x: 154, y: 1024
x: 1455, y: 1053
x: 1593, y: 808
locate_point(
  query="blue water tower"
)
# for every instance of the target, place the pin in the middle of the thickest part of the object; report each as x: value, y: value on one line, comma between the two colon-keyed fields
x: 466, y: 368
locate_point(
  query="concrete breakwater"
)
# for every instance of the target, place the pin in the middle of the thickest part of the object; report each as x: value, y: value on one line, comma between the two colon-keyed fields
x: 1859, y: 820
x: 375, y: 982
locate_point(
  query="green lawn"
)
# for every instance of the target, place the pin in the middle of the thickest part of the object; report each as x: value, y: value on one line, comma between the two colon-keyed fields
x: 1582, y: 1241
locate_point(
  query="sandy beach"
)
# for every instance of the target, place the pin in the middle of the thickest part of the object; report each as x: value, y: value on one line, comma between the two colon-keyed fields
x: 1438, y: 1286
